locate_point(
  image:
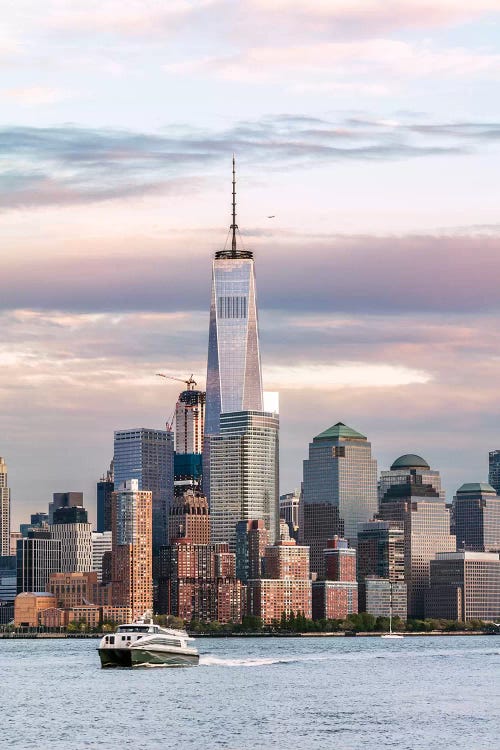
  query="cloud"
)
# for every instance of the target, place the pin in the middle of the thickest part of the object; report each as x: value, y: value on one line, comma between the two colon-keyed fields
x: 340, y: 274
x: 69, y: 164
x: 35, y: 95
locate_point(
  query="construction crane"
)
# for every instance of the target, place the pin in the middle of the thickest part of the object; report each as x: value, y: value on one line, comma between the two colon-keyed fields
x: 189, y: 382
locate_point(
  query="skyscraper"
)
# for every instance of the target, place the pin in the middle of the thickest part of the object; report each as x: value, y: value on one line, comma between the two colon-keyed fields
x: 189, y: 518
x: 132, y: 548
x: 494, y: 470
x: 418, y: 510
x: 476, y: 511
x: 148, y: 456
x: 4, y: 510
x: 339, y: 489
x: 105, y: 487
x: 410, y: 463
x: 190, y: 421
x: 64, y: 500
x: 244, y: 474
x: 234, y: 378
x: 75, y: 534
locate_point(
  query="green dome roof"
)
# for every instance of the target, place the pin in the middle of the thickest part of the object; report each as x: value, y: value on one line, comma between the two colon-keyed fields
x: 340, y: 430
x: 410, y: 461
x: 476, y: 487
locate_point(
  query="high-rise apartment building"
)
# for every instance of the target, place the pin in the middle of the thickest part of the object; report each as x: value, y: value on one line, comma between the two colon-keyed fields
x: 189, y: 518
x: 418, y: 510
x: 132, y: 547
x: 287, y: 588
x: 410, y: 463
x: 244, y: 477
x: 148, y: 457
x: 494, y: 470
x: 234, y: 378
x: 476, y: 512
x: 105, y: 487
x: 37, y: 557
x: 190, y: 421
x: 290, y: 509
x: 101, y: 544
x: 4, y: 510
x: 464, y: 586
x: 337, y: 596
x: 339, y: 490
x: 75, y: 534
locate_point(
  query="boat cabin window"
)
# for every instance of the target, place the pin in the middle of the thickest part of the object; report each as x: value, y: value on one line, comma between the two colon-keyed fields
x: 112, y: 639
x: 133, y: 629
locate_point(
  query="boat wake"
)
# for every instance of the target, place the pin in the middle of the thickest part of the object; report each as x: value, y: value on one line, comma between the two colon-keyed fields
x: 214, y: 661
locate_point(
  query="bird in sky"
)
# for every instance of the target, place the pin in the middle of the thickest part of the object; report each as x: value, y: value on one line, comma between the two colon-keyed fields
x: 271, y: 217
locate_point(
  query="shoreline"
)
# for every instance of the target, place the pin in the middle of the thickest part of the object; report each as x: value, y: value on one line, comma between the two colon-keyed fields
x: 96, y: 636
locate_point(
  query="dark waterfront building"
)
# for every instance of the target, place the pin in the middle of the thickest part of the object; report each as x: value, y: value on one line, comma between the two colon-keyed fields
x: 70, y: 515
x: 339, y: 490
x: 476, y: 513
x: 422, y: 514
x: 464, y: 586
x: 494, y: 470
x: 105, y: 488
x: 148, y: 456
x: 37, y: 557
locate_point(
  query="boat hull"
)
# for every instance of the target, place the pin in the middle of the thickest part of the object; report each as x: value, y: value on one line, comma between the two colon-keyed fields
x: 132, y: 657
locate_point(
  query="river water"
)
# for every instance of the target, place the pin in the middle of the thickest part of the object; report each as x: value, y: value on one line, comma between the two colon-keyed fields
x: 257, y: 694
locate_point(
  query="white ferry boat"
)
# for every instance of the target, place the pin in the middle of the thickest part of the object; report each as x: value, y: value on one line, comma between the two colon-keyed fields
x: 142, y: 642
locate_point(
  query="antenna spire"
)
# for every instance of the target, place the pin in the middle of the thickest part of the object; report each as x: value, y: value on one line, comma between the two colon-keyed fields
x: 234, y: 225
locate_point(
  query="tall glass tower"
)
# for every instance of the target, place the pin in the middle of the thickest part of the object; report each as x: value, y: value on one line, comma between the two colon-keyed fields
x: 234, y: 377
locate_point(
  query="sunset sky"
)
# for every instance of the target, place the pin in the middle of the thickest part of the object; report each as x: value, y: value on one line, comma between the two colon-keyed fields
x: 370, y: 129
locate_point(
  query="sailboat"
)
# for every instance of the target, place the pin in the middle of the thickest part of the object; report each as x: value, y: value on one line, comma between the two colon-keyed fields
x: 390, y: 634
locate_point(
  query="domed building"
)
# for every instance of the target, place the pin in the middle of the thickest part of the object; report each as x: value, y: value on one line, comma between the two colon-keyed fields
x: 410, y: 468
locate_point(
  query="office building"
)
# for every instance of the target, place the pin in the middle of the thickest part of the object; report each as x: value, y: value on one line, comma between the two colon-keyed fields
x: 14, y: 538
x: 70, y: 515
x: 148, y: 457
x: 4, y: 510
x: 244, y: 478
x: 189, y: 518
x: 376, y: 594
x: 336, y: 597
x: 105, y: 487
x: 38, y: 520
x: 28, y: 607
x: 64, y: 500
x: 464, y: 585
x: 339, y: 490
x: 132, y: 547
x: 494, y: 470
x: 408, y: 464
x: 422, y: 514
x: 101, y: 544
x: 252, y: 538
x: 37, y: 557
x: 290, y: 510
x: 234, y: 378
x: 381, y: 557
x: 476, y: 513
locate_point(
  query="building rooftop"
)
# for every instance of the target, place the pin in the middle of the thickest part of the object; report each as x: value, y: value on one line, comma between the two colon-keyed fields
x: 469, y: 555
x: 410, y: 461
x: 340, y: 430
x: 476, y: 487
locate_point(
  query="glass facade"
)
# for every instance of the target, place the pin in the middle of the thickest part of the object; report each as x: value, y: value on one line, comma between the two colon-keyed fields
x: 339, y: 489
x: 148, y: 456
x: 494, y: 470
x: 244, y: 474
x: 477, y: 518
x: 234, y: 378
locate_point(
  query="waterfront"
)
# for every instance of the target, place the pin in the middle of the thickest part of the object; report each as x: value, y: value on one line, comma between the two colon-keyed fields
x: 257, y: 693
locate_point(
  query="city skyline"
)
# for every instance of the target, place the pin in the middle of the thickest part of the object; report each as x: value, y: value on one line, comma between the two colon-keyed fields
x: 388, y: 308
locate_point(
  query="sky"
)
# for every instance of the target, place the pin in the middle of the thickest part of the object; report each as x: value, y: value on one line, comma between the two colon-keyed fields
x: 369, y: 130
